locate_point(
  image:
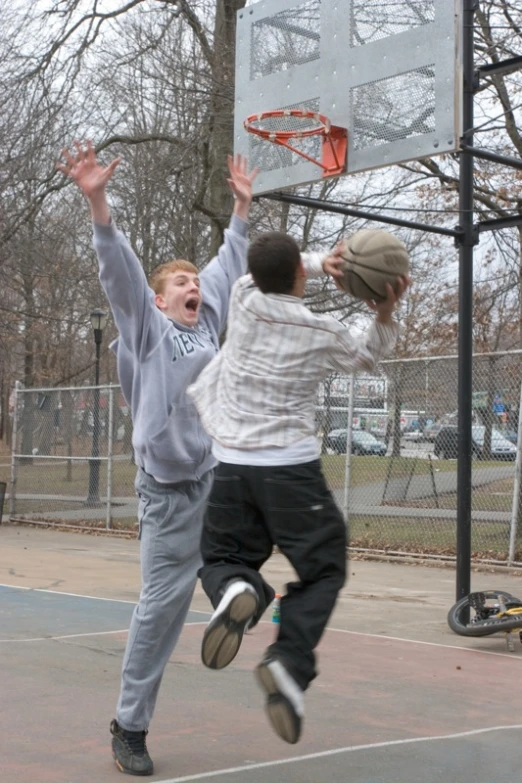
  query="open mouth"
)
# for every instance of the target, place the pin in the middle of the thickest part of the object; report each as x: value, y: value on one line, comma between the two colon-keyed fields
x: 192, y: 304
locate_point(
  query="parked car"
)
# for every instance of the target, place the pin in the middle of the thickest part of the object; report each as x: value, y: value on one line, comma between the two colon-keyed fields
x: 333, y: 440
x: 363, y: 442
x: 446, y: 444
x: 413, y: 432
x: 431, y: 432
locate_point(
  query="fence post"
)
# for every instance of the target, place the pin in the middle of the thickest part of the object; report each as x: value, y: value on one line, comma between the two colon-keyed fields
x: 14, y: 449
x: 108, y: 519
x: 412, y: 471
x: 348, y: 459
x: 516, y: 487
x: 434, y: 485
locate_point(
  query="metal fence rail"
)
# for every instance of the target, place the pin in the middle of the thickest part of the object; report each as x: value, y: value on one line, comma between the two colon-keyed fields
x: 391, y: 472
x: 71, y: 454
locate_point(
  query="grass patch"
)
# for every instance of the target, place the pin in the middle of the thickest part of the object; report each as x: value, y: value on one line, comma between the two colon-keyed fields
x: 54, y: 477
x: 367, y: 470
x: 493, y: 496
x: 50, y: 477
x: 430, y: 536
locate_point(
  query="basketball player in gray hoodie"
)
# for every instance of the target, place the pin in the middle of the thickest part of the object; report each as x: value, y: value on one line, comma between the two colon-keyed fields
x: 167, y: 333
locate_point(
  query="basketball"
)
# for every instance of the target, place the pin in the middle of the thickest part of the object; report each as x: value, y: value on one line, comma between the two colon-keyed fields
x: 372, y: 259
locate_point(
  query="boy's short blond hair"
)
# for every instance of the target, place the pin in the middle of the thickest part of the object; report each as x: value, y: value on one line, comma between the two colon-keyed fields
x: 160, y: 274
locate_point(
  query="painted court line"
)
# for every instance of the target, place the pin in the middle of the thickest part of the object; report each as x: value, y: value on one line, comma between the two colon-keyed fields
x: 80, y: 595
x: 75, y: 635
x: 429, y: 644
x: 337, y: 752
x: 56, y: 638
x: 72, y: 595
x: 335, y: 630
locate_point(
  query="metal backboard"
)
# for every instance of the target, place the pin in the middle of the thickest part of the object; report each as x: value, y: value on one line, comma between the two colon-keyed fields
x: 387, y: 70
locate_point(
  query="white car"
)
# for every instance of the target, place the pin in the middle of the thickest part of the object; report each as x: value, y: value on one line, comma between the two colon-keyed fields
x: 412, y: 435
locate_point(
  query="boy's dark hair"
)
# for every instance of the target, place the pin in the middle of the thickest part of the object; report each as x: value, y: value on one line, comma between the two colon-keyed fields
x: 273, y: 259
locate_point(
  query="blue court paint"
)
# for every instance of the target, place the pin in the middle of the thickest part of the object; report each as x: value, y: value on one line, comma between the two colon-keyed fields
x: 32, y: 613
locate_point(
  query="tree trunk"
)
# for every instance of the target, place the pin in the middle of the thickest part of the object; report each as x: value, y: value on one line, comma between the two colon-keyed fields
x: 27, y: 407
x: 221, y: 143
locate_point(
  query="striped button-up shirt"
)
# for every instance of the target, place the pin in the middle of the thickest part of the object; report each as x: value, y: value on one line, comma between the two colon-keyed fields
x: 260, y: 390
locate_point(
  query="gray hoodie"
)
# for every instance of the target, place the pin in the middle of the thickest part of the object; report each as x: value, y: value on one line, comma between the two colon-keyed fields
x: 159, y: 358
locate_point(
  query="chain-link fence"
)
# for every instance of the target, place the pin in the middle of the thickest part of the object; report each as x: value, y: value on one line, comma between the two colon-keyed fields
x: 72, y: 460
x: 389, y: 448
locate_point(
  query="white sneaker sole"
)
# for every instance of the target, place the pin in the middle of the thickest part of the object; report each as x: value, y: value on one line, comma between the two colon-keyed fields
x: 224, y: 634
x: 282, y: 714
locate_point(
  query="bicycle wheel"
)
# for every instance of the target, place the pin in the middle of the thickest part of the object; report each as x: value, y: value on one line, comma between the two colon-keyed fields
x: 483, y: 625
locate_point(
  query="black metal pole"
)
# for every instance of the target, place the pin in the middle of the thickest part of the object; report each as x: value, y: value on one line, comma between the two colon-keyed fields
x: 341, y: 209
x: 506, y: 160
x: 501, y: 68
x: 93, y: 498
x: 495, y: 223
x: 466, y: 242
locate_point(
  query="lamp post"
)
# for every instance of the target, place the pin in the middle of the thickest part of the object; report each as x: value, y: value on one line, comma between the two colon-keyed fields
x: 98, y: 322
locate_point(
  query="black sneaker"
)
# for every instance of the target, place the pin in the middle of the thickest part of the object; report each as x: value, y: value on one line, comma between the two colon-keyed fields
x: 224, y: 633
x: 284, y: 704
x: 130, y: 752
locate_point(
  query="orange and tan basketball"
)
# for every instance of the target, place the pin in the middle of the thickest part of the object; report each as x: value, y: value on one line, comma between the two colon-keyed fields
x: 372, y: 259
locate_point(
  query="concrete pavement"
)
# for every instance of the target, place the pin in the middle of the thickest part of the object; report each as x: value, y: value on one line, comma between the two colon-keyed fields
x: 389, y: 598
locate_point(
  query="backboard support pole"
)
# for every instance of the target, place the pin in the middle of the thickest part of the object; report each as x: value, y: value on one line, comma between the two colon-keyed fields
x: 505, y: 160
x: 341, y: 209
x: 465, y: 242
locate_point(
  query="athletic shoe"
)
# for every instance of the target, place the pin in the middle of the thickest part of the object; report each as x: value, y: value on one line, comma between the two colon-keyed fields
x: 130, y: 752
x: 284, y: 704
x: 224, y: 633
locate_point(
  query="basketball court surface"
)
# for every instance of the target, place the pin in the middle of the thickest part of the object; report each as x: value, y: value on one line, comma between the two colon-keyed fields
x: 399, y: 698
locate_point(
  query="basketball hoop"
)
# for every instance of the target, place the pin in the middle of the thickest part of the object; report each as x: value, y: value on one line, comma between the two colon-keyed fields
x: 283, y: 128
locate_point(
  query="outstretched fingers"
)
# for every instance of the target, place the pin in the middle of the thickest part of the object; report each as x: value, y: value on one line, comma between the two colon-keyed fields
x: 238, y: 167
x: 237, y: 164
x: 253, y: 174
x: 109, y: 170
x: 393, y: 295
x: 69, y: 161
x: 81, y: 152
x: 84, y: 169
x: 91, y: 154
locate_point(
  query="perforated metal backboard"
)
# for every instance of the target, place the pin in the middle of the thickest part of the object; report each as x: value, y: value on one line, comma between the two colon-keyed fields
x: 387, y: 70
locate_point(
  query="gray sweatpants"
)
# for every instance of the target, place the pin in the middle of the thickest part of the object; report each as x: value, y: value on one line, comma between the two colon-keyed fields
x: 170, y: 518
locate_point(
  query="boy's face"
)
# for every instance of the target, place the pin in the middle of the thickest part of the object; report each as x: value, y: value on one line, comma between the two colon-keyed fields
x: 181, y: 297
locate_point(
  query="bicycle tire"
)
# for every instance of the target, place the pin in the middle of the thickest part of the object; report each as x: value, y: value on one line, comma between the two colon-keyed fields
x: 482, y: 627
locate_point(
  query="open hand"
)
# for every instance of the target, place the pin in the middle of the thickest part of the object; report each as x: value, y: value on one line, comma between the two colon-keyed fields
x: 385, y: 309
x: 240, y: 181
x: 84, y: 169
x: 332, y: 265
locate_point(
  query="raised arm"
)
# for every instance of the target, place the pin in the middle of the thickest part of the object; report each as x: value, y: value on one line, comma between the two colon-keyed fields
x: 363, y: 353
x: 218, y: 277
x: 329, y: 262
x: 240, y: 183
x: 91, y: 178
x: 132, y: 302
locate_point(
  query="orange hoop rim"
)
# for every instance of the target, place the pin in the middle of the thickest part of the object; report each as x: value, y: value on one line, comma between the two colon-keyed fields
x: 322, y: 129
x: 334, y: 145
